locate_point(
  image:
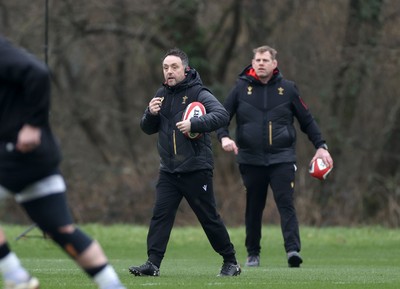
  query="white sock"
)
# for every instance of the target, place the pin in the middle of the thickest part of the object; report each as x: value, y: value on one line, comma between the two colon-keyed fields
x: 12, y: 270
x: 108, y: 279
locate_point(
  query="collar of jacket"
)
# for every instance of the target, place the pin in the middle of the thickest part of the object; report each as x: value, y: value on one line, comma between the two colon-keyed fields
x: 250, y: 75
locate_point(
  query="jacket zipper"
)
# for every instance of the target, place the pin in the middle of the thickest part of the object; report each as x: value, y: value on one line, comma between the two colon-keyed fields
x: 174, y: 141
x: 270, y: 132
x: 173, y: 130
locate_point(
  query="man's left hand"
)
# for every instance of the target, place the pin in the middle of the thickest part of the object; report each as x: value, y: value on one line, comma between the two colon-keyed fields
x: 324, y: 155
x: 184, y: 126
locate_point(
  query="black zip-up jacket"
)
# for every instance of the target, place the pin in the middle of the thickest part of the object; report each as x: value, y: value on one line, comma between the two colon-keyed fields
x: 265, y: 113
x: 24, y: 99
x: 178, y: 153
x: 24, y: 91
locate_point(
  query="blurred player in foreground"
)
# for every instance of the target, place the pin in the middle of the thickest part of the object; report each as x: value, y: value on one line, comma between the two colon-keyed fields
x: 29, y: 160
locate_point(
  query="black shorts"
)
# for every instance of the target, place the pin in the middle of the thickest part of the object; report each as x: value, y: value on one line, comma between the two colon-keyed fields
x: 19, y: 170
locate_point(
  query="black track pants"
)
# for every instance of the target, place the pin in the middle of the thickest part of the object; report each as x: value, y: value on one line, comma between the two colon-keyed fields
x: 281, y: 179
x: 197, y: 188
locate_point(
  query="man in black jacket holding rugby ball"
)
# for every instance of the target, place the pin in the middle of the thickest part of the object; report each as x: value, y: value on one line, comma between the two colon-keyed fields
x: 186, y: 169
x: 265, y: 105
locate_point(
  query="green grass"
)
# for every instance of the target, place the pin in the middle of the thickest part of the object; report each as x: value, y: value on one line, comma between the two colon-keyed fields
x: 367, y: 257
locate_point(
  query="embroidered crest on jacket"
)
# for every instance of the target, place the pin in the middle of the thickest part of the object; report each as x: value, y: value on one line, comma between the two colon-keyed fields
x: 249, y: 90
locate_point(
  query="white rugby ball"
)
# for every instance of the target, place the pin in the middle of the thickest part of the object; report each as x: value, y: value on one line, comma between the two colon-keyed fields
x: 319, y: 170
x: 194, y: 109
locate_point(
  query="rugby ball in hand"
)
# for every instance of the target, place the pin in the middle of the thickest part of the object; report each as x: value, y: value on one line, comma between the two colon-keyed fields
x: 319, y: 170
x: 194, y: 109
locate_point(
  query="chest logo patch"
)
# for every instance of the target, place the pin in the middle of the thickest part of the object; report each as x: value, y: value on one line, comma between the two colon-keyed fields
x: 249, y: 90
x: 280, y: 90
x: 184, y: 99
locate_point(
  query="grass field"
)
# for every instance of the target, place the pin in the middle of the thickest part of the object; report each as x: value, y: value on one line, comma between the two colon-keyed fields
x: 367, y: 257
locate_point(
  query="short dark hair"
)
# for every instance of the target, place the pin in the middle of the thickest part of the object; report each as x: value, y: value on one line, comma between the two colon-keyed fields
x: 179, y: 53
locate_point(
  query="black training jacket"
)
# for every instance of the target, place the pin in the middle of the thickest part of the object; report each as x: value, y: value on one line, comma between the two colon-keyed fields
x: 265, y: 113
x: 178, y: 153
x: 24, y: 99
x: 24, y: 91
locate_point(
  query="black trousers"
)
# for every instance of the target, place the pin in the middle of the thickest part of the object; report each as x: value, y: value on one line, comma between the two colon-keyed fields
x: 281, y: 178
x: 197, y: 189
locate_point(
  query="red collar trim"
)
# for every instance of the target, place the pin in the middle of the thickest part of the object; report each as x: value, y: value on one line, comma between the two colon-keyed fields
x: 251, y: 72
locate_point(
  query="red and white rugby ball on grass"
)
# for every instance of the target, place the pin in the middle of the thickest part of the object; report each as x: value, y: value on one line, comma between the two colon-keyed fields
x: 319, y: 170
x: 194, y: 109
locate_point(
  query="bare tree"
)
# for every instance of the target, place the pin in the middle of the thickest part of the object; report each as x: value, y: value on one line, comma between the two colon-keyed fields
x: 105, y: 58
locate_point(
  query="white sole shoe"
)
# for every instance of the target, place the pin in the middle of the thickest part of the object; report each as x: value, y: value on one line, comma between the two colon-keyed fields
x: 32, y: 283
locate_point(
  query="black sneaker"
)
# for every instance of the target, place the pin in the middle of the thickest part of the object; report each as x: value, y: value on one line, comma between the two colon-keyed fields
x: 253, y: 261
x: 230, y: 269
x: 147, y: 269
x: 294, y: 259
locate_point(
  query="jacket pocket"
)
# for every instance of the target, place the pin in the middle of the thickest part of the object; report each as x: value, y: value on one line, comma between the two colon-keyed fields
x: 196, y: 147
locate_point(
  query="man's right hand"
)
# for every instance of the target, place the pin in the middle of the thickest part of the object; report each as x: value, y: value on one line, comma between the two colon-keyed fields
x: 229, y: 145
x: 155, y: 105
x: 29, y: 138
